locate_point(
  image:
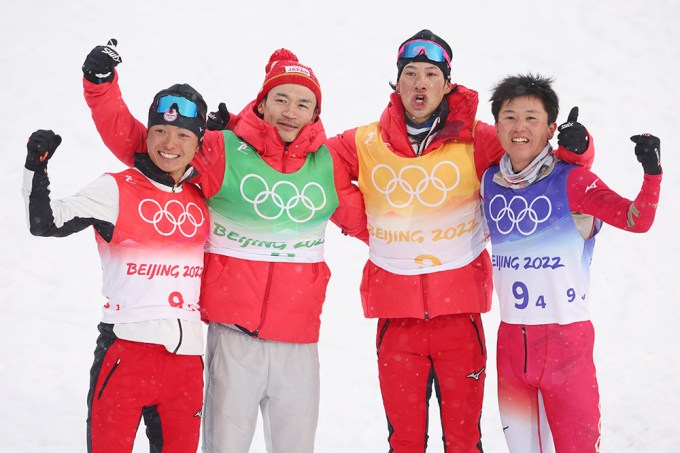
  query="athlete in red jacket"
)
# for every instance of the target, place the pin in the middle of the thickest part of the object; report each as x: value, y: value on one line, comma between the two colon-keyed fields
x: 150, y: 229
x: 428, y: 277
x: 271, y: 186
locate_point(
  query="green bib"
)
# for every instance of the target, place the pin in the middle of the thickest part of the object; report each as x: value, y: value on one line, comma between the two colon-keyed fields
x: 262, y: 214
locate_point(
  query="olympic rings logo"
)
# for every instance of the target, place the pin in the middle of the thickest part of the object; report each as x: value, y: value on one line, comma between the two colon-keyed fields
x: 172, y: 217
x: 284, y: 196
x: 413, y: 181
x: 519, y: 213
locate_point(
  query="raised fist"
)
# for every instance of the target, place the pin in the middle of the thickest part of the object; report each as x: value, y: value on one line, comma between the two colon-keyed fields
x: 99, y: 63
x: 41, y: 147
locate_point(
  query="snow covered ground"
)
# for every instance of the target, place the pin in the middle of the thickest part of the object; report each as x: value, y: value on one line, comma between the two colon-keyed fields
x: 616, y: 60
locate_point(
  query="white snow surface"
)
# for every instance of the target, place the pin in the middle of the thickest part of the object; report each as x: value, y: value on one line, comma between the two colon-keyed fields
x: 617, y: 61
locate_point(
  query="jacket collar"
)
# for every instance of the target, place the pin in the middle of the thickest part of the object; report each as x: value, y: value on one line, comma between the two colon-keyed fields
x: 458, y: 126
x: 145, y: 165
x: 266, y: 140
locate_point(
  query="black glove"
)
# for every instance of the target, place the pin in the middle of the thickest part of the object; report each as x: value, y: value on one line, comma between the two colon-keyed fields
x: 218, y: 120
x: 41, y: 147
x: 573, y: 135
x: 648, y: 152
x: 99, y: 63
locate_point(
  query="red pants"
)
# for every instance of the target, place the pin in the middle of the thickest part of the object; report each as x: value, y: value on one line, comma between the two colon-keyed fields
x: 547, y: 388
x: 447, y: 351
x: 129, y: 380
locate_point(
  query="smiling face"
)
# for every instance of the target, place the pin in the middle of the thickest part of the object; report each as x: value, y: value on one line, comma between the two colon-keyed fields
x: 523, y: 129
x: 289, y: 108
x: 422, y: 87
x: 171, y: 148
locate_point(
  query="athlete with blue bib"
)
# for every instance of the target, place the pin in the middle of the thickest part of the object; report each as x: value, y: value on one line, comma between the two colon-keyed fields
x: 542, y: 216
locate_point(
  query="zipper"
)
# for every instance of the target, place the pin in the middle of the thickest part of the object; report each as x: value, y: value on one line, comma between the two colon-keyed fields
x: 265, y: 299
x: 479, y: 335
x: 181, y: 336
x: 284, y: 158
x: 425, y: 304
x: 108, y: 376
x: 524, y: 337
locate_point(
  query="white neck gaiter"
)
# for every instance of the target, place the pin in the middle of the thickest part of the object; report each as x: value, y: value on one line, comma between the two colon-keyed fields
x: 537, y: 168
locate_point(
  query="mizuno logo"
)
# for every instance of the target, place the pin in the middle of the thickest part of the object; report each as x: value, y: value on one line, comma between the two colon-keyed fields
x: 476, y: 374
x: 592, y: 186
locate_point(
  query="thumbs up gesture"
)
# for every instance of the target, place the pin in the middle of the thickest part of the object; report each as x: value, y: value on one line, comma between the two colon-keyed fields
x: 573, y: 135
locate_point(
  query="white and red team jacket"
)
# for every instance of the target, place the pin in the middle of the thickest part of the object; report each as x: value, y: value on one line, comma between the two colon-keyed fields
x: 150, y: 234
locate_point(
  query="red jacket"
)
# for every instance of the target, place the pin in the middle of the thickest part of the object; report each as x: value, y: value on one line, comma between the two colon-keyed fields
x: 463, y: 290
x: 271, y: 300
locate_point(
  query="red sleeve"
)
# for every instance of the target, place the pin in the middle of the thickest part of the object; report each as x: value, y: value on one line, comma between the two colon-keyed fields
x: 343, y: 147
x: 210, y: 162
x: 350, y: 216
x: 589, y: 195
x: 119, y: 130
x: 488, y: 150
x: 582, y: 160
x: 125, y: 136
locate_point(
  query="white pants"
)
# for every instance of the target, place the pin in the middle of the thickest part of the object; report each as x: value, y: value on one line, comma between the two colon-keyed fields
x: 245, y: 373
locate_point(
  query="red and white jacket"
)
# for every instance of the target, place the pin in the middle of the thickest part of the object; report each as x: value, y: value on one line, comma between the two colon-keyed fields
x: 150, y: 234
x: 466, y: 289
x: 270, y: 300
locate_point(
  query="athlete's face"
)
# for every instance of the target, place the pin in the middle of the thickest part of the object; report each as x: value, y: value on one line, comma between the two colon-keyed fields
x: 422, y: 86
x: 289, y: 108
x: 523, y: 129
x: 171, y: 148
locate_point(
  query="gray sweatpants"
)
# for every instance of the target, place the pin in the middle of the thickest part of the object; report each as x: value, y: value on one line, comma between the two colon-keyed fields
x: 245, y: 373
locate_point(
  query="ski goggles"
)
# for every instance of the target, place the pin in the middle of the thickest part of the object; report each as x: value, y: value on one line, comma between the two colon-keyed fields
x: 185, y: 107
x: 430, y: 49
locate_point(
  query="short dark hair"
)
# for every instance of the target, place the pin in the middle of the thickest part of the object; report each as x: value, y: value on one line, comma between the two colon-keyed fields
x: 520, y: 85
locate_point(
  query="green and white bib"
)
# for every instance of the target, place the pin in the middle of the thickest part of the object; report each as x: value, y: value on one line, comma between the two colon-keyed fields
x: 264, y: 215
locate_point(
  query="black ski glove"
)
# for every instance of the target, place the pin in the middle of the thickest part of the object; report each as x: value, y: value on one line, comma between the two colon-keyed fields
x: 41, y: 147
x: 99, y: 63
x: 572, y: 135
x: 648, y: 152
x: 218, y: 120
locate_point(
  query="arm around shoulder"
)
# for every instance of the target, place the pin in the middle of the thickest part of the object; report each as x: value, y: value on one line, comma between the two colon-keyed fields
x: 487, y: 148
x: 350, y: 215
x: 343, y: 148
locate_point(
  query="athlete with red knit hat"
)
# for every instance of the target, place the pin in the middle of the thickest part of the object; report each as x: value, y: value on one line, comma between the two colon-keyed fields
x: 271, y: 186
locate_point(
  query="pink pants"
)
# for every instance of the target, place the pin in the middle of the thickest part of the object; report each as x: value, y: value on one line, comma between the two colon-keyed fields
x: 446, y: 352
x: 547, y: 388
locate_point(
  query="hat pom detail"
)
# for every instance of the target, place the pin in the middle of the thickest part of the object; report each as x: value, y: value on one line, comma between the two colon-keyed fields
x: 280, y: 55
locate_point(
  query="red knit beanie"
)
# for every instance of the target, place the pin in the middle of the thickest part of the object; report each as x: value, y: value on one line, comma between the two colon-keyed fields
x: 284, y: 67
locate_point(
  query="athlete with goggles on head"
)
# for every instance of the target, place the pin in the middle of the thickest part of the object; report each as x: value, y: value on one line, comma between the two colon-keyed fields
x: 428, y: 278
x: 271, y: 186
x: 151, y: 228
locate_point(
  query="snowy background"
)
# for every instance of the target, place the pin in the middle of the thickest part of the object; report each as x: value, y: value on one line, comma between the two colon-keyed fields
x: 617, y: 61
